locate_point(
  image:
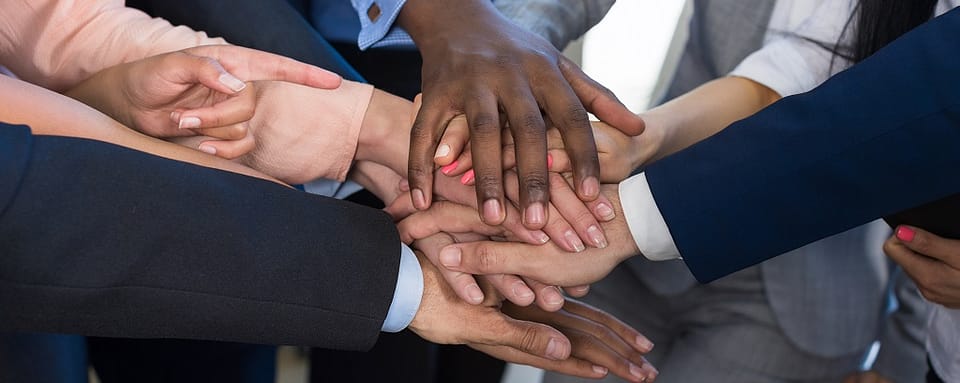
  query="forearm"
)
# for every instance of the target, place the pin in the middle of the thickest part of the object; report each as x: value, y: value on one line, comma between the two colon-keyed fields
x: 106, y: 241
x: 57, y: 44
x: 704, y: 111
x: 48, y: 113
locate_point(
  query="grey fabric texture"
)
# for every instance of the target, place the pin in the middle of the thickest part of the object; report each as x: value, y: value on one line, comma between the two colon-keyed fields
x: 558, y: 21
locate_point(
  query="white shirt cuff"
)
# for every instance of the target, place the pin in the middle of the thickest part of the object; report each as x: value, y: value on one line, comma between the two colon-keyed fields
x: 409, y: 291
x: 649, y: 230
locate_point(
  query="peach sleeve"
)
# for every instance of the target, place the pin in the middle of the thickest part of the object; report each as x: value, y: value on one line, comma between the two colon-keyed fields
x: 59, y: 43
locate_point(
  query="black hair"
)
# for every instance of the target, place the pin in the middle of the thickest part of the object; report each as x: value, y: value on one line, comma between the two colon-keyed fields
x: 876, y: 23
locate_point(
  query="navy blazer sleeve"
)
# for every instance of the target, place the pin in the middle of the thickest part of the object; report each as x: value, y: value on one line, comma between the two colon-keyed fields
x: 876, y: 139
x: 97, y: 239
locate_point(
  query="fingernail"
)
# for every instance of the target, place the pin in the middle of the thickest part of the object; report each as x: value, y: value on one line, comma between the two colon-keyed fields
x: 231, y: 82
x: 644, y: 343
x: 473, y: 291
x: 189, y: 123
x: 208, y: 149
x: 605, y: 211
x: 574, y: 241
x: 599, y: 240
x: 419, y: 201
x: 555, y: 350
x: 600, y: 370
x: 552, y: 297
x: 905, y: 234
x: 590, y: 187
x: 442, y: 151
x: 467, y: 177
x: 541, y: 236
x: 449, y: 168
x: 492, y: 211
x: 404, y: 185
x: 175, y: 116
x: 450, y: 257
x: 549, y: 161
x: 533, y: 215
x: 637, y: 371
x: 520, y: 290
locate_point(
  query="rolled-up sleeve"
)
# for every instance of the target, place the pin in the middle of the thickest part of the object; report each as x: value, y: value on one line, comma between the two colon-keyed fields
x: 797, y: 61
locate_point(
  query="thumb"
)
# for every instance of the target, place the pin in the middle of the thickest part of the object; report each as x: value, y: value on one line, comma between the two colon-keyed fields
x: 600, y: 101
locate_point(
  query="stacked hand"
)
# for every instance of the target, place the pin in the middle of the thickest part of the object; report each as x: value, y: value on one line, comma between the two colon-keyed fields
x: 197, y: 91
x: 577, y: 340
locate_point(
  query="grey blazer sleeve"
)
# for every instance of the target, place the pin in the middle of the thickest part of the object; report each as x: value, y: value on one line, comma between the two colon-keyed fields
x: 558, y: 21
x: 97, y: 239
x: 902, y: 356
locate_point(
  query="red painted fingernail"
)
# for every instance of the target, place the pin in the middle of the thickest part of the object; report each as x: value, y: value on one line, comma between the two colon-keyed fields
x: 905, y: 234
x: 449, y: 168
x: 467, y: 177
x: 549, y: 161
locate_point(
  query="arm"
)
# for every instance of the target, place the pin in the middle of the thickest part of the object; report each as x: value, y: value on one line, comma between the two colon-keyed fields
x: 57, y: 44
x: 819, y: 163
x: 132, y: 222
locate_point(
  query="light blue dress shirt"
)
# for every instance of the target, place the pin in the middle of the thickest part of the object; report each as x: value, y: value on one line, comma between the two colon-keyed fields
x: 409, y: 290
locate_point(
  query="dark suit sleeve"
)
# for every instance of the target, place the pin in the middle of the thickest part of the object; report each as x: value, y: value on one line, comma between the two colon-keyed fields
x: 876, y: 139
x: 101, y: 240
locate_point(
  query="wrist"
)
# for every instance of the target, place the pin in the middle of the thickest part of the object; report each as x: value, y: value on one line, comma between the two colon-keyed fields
x: 430, y: 22
x: 655, y: 139
x: 384, y: 133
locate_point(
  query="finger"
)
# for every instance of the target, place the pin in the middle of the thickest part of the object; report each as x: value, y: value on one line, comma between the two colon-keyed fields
x: 598, y: 352
x: 530, y: 141
x: 567, y: 113
x: 570, y: 366
x: 212, y: 119
x: 465, y: 285
x: 557, y: 227
x: 634, y: 338
x: 512, y: 288
x: 578, y: 215
x: 228, y: 149
x: 930, y: 245
x: 577, y: 291
x: 920, y: 268
x: 444, y: 216
x: 253, y: 65
x: 600, y: 101
x: 400, y: 208
x: 549, y: 298
x: 484, y: 120
x: 430, y: 122
x: 452, y: 143
x: 529, y: 337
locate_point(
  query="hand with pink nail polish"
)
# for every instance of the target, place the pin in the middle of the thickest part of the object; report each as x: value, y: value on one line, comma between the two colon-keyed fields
x: 197, y: 91
x: 548, y: 263
x: 578, y: 340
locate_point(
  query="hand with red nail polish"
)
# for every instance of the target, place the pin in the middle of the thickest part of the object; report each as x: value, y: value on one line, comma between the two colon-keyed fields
x: 549, y: 263
x: 205, y: 91
x: 577, y: 340
x: 933, y: 262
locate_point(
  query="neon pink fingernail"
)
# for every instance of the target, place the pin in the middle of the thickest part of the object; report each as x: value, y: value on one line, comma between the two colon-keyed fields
x: 905, y: 234
x: 467, y: 177
x: 449, y: 168
x: 549, y: 161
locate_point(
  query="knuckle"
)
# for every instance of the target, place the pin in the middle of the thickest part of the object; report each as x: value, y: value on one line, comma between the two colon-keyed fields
x: 535, y: 183
x: 488, y: 259
x: 529, y: 338
x: 484, y: 124
x: 576, y: 116
x: 417, y: 172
